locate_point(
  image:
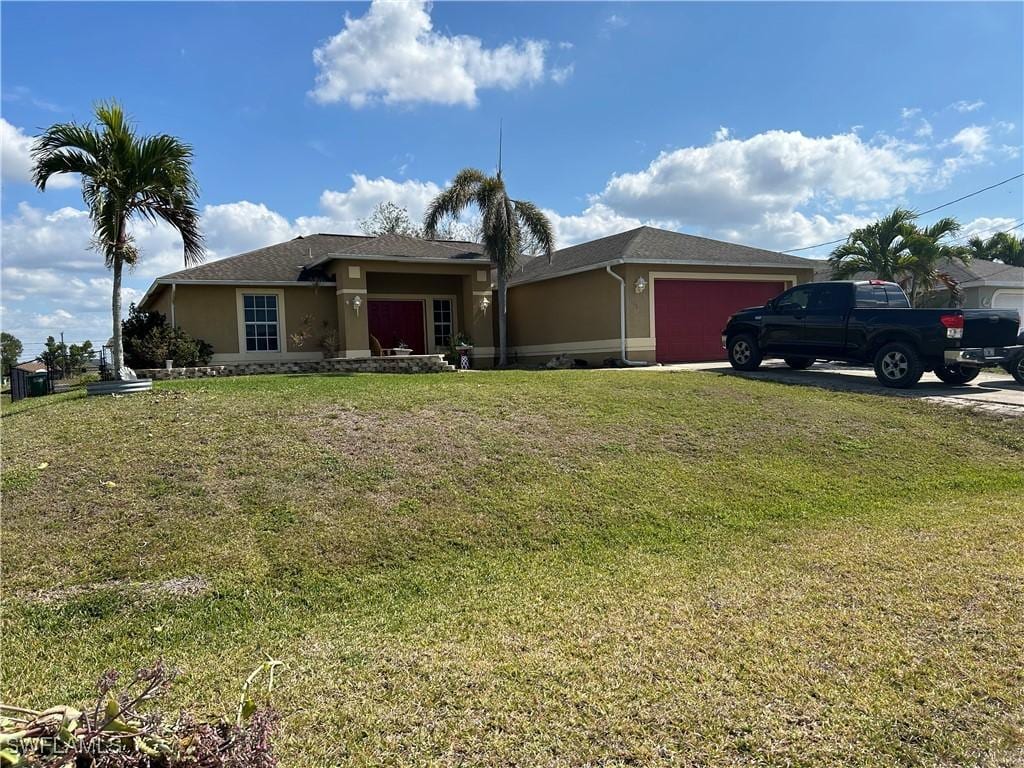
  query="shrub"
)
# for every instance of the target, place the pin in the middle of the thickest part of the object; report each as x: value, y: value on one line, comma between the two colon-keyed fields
x: 148, y: 340
x: 120, y: 729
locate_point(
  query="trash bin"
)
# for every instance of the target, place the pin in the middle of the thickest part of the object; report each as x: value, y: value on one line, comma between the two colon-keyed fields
x: 38, y: 385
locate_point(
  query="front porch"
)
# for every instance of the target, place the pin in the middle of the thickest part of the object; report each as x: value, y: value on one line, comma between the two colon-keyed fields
x: 413, y: 304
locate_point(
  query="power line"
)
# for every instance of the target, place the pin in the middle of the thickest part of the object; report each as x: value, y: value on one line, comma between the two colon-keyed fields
x: 980, y: 232
x: 922, y: 213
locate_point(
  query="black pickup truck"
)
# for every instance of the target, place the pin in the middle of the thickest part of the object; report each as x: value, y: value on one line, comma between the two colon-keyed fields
x: 870, y: 321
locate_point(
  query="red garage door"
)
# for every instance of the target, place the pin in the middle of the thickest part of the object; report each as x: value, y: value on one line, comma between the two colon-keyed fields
x: 689, y: 315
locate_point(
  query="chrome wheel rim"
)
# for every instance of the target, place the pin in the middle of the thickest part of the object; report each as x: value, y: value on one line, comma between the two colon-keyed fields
x: 741, y: 352
x: 895, y: 365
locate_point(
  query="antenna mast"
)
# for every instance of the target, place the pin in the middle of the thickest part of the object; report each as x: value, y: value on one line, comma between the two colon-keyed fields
x: 499, y: 147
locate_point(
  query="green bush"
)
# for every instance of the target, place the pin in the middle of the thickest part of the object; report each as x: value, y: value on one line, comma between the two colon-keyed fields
x: 148, y: 341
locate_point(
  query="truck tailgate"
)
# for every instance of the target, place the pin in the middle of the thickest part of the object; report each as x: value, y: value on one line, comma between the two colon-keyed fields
x: 990, y: 327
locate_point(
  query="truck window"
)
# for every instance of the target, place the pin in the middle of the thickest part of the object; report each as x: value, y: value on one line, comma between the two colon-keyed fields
x: 828, y: 297
x: 870, y: 296
x: 897, y: 298
x: 793, y: 300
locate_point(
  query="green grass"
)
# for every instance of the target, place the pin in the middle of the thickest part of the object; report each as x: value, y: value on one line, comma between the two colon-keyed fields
x: 600, y: 568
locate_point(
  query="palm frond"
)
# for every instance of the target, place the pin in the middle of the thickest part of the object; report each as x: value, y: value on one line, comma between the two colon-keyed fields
x: 537, y: 226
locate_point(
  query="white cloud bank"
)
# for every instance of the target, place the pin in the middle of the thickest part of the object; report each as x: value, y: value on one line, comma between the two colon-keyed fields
x: 393, y: 55
x: 16, y: 158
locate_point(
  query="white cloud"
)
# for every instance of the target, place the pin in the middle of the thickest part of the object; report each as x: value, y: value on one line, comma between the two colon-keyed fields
x: 908, y: 112
x: 972, y: 140
x: 986, y: 226
x: 341, y: 211
x: 733, y: 182
x: 392, y: 54
x: 16, y: 158
x: 967, y: 106
x: 614, y: 21
x: 596, y: 221
x: 924, y: 130
x: 560, y: 74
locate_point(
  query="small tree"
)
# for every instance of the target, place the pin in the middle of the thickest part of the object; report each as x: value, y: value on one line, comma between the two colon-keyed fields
x: 389, y: 218
x: 1002, y: 246
x: 11, y: 348
x: 149, y: 341
x: 54, y: 354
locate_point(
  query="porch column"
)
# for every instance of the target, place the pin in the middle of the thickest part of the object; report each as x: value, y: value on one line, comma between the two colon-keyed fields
x: 479, y: 321
x: 353, y: 328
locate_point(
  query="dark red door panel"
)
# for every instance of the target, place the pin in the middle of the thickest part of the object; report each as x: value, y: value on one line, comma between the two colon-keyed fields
x: 393, y: 322
x: 689, y: 315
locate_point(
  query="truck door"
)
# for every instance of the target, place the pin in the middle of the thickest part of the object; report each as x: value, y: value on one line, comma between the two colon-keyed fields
x: 782, y: 325
x: 824, y: 331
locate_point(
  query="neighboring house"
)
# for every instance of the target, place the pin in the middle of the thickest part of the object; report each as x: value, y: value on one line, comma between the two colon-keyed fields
x: 983, y: 284
x: 32, y: 366
x: 679, y: 291
x: 340, y: 288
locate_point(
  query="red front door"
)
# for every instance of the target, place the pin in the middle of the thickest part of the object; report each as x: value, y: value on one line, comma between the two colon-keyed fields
x: 689, y: 315
x: 394, y: 322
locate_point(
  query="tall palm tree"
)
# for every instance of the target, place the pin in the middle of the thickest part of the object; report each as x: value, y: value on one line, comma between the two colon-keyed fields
x: 124, y: 176
x: 1002, y: 246
x: 508, y: 228
x: 881, y: 248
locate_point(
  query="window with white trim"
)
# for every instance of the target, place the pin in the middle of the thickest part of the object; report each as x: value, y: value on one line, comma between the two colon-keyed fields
x: 261, y: 322
x: 442, y: 323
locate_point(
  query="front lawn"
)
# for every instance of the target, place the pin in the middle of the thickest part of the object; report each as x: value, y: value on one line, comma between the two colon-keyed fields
x: 576, y: 567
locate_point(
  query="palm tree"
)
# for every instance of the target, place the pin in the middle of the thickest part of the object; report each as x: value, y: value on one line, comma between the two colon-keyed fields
x: 508, y: 228
x: 881, y: 248
x: 1002, y: 246
x: 895, y: 248
x: 124, y: 175
x: 930, y: 250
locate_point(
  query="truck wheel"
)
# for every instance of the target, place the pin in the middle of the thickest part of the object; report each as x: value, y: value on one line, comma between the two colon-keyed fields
x: 743, y: 352
x: 957, y: 375
x: 799, y: 363
x: 898, y: 365
x: 1016, y: 368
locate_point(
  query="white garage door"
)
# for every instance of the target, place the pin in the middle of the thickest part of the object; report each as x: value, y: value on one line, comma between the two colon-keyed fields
x: 1009, y: 298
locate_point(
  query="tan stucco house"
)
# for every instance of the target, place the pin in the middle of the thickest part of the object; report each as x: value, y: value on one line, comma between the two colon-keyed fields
x: 646, y: 295
x: 283, y: 302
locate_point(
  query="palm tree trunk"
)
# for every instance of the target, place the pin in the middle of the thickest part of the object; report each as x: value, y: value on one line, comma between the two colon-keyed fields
x: 502, y: 318
x: 116, y: 351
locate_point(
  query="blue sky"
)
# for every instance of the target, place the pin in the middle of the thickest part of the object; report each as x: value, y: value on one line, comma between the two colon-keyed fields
x: 773, y: 125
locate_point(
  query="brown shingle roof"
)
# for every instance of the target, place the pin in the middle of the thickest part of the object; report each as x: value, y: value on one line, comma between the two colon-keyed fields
x: 403, y: 246
x: 653, y: 245
x: 285, y: 262
x: 276, y: 263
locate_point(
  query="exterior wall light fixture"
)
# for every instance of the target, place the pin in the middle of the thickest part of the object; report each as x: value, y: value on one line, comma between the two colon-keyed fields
x: 484, y: 304
x: 356, y: 302
x: 640, y: 285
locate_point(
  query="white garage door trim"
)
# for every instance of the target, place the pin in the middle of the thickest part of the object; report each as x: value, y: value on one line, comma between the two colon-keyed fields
x: 789, y: 280
x: 1018, y: 293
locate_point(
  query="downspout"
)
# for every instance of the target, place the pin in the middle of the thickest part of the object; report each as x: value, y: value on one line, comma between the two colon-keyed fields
x: 173, y: 286
x: 622, y: 319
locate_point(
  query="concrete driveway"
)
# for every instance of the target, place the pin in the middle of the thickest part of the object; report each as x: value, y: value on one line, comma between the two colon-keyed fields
x: 994, y: 390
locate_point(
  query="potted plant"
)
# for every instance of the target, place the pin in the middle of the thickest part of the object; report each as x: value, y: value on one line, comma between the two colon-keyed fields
x: 402, y: 349
x: 462, y: 349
